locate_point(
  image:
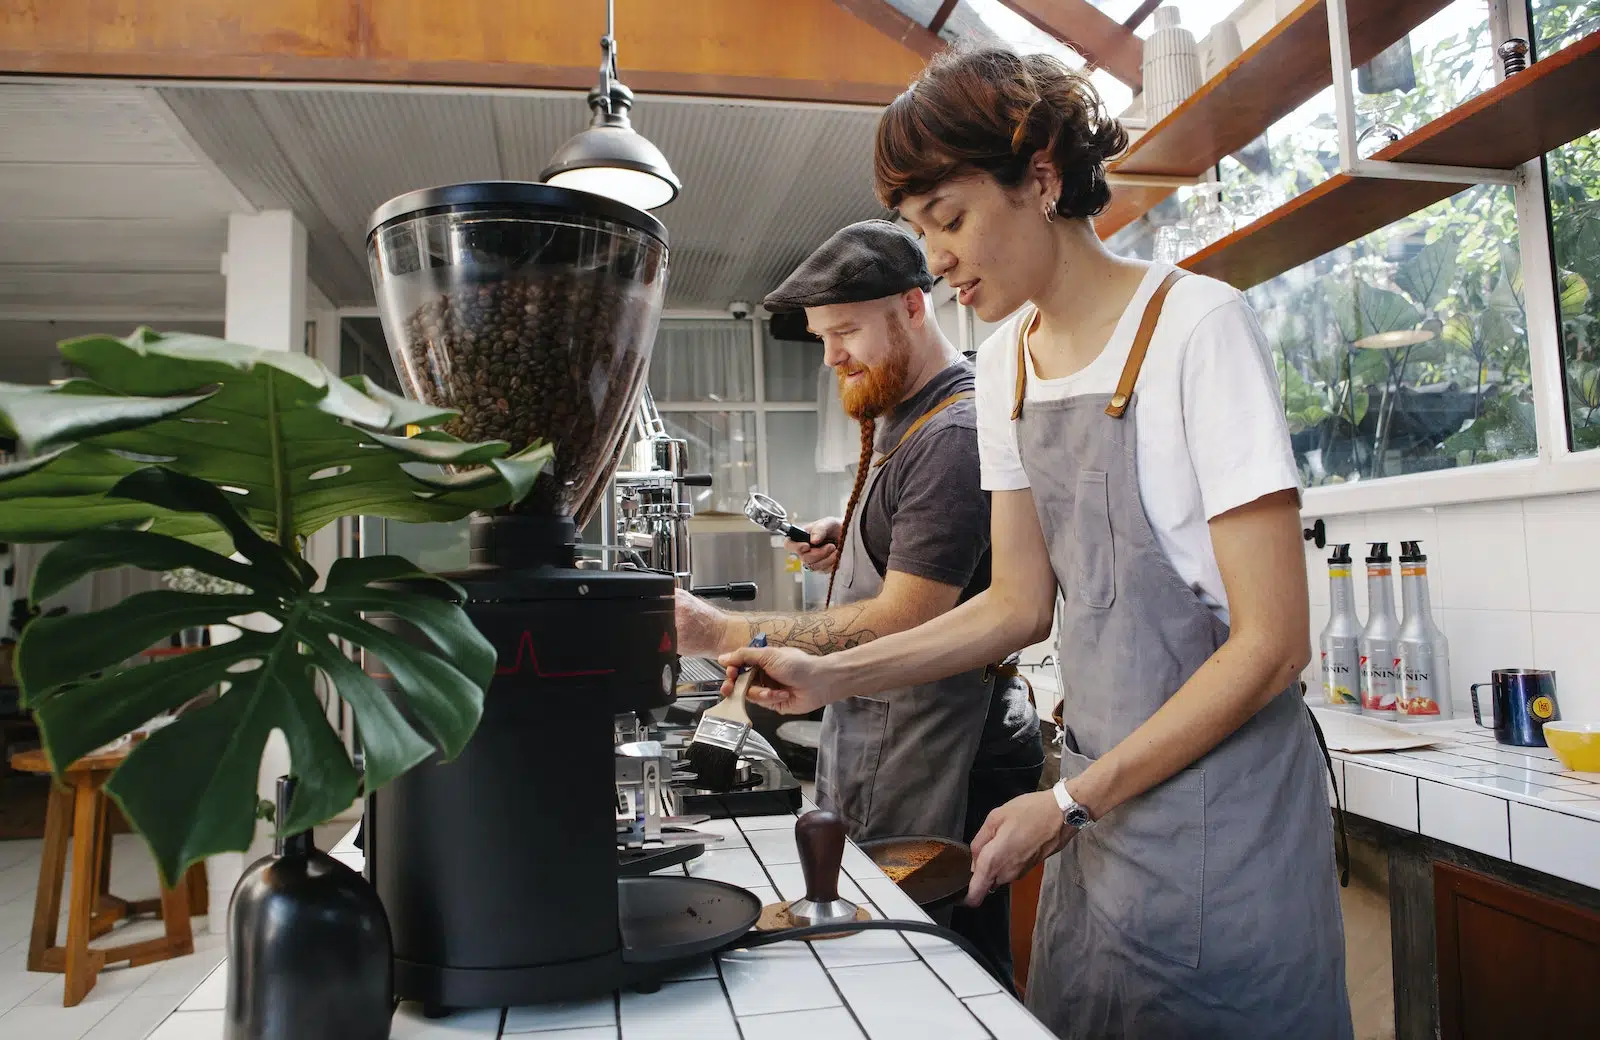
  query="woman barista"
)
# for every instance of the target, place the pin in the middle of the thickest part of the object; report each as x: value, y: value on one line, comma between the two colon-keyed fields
x: 1131, y: 433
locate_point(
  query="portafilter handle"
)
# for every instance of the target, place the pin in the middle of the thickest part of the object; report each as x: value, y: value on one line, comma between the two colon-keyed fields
x: 768, y: 515
x: 738, y: 591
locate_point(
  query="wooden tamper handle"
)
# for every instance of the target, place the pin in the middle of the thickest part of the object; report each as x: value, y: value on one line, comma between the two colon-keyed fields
x: 819, y: 836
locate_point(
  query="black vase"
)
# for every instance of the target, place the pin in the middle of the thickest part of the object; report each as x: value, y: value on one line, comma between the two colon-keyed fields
x: 309, y: 951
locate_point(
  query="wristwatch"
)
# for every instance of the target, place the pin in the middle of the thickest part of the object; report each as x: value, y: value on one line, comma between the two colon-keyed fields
x: 1075, y: 815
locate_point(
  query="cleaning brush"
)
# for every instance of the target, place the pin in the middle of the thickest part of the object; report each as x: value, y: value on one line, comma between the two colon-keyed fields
x: 714, y: 752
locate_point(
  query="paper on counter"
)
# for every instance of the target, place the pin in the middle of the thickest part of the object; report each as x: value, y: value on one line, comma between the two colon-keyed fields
x: 1348, y: 732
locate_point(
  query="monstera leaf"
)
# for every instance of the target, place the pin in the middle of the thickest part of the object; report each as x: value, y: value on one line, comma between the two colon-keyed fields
x: 1365, y: 310
x: 190, y: 788
x: 1426, y: 277
x: 293, y: 445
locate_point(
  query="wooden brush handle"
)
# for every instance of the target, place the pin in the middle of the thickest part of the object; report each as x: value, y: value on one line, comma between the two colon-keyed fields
x: 741, y: 686
x: 819, y: 835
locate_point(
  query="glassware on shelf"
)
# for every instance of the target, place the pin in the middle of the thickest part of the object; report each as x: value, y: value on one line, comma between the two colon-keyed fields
x: 1376, y: 138
x: 1175, y: 243
x: 1210, y: 218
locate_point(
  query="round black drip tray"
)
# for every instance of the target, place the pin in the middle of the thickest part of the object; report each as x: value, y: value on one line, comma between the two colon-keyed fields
x: 677, y: 918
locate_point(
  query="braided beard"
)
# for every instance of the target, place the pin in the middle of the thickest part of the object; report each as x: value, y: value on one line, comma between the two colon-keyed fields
x: 879, y: 389
x: 863, y: 465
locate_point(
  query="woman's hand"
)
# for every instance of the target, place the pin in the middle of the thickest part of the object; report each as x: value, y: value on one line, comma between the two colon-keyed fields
x: 700, y: 625
x: 790, y: 682
x: 1021, y: 833
x: 821, y: 554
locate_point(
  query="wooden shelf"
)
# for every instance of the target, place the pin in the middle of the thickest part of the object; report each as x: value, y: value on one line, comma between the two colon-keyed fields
x: 1276, y: 75
x: 1555, y: 101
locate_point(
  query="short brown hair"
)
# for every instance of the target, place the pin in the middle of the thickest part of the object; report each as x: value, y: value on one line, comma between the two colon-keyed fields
x: 991, y: 109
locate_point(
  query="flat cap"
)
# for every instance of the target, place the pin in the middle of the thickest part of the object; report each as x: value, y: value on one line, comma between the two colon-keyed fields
x: 865, y: 261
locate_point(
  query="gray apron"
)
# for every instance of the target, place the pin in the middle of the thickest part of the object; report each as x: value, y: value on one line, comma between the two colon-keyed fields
x: 1206, y: 907
x: 897, y: 763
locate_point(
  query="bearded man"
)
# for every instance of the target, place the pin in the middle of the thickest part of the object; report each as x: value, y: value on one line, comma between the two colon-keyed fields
x: 914, y: 542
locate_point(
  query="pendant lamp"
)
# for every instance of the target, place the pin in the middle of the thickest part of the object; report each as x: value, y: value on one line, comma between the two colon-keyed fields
x: 610, y: 158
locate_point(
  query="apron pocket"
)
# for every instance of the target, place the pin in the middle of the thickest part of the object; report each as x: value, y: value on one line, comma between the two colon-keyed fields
x: 1091, y: 523
x: 1143, y: 866
x: 853, y: 738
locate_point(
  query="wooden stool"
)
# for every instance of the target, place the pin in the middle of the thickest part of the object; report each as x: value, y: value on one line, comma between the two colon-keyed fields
x: 79, y: 806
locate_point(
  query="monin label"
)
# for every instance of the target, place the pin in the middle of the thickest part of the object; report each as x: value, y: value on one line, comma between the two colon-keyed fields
x: 1380, y: 652
x: 1424, y: 653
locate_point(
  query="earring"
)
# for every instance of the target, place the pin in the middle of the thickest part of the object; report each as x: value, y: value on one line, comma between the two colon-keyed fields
x: 1050, y: 213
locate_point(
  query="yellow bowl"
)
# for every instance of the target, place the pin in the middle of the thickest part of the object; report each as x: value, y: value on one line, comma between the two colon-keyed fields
x: 1577, y: 744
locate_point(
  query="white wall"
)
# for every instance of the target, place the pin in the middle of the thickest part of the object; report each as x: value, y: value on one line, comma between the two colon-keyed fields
x: 1515, y: 584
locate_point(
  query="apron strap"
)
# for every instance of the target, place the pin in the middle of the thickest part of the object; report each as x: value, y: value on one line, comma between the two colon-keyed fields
x: 1130, y: 371
x: 1141, y: 344
x: 1022, y: 362
x: 921, y: 420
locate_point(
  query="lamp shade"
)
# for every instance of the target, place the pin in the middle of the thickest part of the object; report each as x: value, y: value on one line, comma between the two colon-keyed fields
x: 615, y: 161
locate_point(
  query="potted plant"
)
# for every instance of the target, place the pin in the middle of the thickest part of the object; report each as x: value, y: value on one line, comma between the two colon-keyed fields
x: 181, y: 452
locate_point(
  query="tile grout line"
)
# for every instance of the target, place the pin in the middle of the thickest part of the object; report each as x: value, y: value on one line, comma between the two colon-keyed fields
x: 810, y: 945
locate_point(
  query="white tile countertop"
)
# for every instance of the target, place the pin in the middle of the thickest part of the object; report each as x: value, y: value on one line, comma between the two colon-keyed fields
x: 869, y: 986
x: 1517, y: 804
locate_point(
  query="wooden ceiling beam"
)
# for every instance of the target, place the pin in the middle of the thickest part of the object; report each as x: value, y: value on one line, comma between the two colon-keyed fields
x: 943, y: 14
x: 797, y: 50
x: 1140, y: 13
x: 884, y: 17
x: 1095, y: 35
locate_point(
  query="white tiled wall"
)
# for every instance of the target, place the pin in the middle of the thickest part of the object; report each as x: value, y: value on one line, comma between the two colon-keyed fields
x: 1515, y: 584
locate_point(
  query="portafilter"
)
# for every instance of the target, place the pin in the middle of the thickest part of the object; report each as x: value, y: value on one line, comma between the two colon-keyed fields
x: 768, y: 515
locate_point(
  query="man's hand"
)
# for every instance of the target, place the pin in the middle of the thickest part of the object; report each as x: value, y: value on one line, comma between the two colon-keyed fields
x: 1019, y: 834
x: 791, y: 682
x: 822, y: 554
x: 700, y: 625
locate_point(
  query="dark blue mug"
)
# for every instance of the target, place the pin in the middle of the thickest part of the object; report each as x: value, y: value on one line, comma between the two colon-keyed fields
x: 1524, y: 700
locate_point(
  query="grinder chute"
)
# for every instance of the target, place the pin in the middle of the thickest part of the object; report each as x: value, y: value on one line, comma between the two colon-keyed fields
x: 531, y: 311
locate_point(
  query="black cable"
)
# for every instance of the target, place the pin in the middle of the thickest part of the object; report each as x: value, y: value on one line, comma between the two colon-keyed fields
x: 1341, y: 854
x: 754, y: 939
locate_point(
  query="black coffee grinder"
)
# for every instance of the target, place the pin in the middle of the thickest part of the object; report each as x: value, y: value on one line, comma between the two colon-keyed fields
x: 531, y: 311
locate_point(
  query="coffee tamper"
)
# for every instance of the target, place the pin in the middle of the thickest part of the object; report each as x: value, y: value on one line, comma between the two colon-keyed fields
x: 820, y: 837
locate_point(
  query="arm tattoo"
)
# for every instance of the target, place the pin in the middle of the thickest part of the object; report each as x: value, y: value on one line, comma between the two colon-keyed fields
x: 819, y: 632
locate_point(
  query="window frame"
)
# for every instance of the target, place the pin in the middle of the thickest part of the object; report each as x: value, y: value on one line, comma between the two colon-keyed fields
x: 1555, y: 468
x: 760, y: 405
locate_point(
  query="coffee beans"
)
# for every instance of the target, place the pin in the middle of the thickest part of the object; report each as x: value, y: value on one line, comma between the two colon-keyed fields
x: 552, y: 355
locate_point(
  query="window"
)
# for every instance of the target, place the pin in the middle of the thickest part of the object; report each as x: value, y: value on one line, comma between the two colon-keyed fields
x: 1406, y: 351
x: 1411, y: 349
x: 1572, y: 178
x: 364, y: 351
x: 749, y: 433
x: 722, y: 444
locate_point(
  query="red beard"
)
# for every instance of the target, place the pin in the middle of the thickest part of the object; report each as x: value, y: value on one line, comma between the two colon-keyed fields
x: 881, y: 386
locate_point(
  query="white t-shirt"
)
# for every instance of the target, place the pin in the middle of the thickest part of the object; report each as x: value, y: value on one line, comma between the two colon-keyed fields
x: 1211, y: 431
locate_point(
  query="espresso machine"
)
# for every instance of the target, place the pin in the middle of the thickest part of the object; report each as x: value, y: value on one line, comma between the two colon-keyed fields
x: 531, y: 311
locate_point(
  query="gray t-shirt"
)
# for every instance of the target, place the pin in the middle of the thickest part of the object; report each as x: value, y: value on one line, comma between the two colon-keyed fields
x: 927, y: 514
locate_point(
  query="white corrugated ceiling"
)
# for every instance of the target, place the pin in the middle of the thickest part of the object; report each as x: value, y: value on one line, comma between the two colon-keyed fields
x: 763, y: 183
x: 104, y: 203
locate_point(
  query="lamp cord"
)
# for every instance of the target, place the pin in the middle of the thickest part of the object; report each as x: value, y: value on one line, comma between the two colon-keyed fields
x: 608, y: 57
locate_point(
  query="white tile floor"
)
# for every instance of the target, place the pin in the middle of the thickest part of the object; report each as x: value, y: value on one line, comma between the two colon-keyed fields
x: 126, y: 1003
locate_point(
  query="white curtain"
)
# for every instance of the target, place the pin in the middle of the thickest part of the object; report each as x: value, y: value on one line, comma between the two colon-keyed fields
x: 706, y: 360
x: 96, y: 592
